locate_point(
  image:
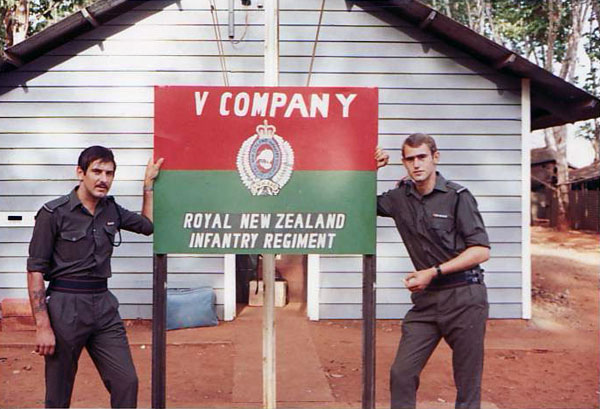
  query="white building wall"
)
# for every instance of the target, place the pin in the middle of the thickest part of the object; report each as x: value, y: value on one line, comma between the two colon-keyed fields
x: 98, y: 89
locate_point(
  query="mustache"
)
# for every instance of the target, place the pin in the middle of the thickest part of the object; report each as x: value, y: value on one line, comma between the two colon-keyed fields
x: 102, y: 185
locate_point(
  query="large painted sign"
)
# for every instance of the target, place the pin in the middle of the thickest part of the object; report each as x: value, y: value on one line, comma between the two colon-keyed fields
x: 265, y: 170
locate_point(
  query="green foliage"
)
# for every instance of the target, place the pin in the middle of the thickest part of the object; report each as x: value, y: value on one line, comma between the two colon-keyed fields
x: 585, y: 131
x: 46, y: 12
x: 42, y: 13
x: 592, y: 48
x: 524, y: 27
x: 521, y: 25
x: 5, y: 8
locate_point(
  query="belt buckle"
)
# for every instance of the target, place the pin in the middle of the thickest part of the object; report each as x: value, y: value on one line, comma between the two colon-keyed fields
x: 474, y: 277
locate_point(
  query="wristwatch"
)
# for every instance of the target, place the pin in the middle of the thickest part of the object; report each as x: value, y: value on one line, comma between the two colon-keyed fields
x: 438, y: 271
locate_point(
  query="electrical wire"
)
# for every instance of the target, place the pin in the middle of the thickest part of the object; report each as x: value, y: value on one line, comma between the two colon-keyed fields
x: 222, y: 59
x: 314, y: 50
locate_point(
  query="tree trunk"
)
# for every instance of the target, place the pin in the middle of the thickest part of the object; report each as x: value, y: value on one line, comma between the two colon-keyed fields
x: 489, y: 12
x: 469, y: 16
x: 560, y: 136
x: 596, y: 11
x: 553, y: 17
x: 596, y: 141
x: 481, y: 16
x: 448, y: 9
x: 549, y: 138
x: 7, y: 21
x: 567, y: 72
x: 21, y: 22
x: 595, y: 69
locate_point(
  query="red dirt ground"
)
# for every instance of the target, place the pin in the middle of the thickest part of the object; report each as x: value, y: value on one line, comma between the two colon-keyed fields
x: 551, y: 361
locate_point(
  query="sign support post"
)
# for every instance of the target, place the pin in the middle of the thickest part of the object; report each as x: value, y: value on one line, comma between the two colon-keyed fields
x: 159, y: 334
x: 268, y: 333
x: 368, y: 341
x: 271, y: 78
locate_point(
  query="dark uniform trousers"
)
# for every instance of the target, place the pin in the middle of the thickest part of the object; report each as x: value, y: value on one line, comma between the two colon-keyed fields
x: 91, y: 321
x: 458, y: 315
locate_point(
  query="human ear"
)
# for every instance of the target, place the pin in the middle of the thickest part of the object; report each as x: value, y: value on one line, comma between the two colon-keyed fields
x: 80, y: 173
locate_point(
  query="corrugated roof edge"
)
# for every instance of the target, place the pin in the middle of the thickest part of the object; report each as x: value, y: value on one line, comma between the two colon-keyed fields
x: 554, y: 101
x: 63, y: 31
x: 585, y: 173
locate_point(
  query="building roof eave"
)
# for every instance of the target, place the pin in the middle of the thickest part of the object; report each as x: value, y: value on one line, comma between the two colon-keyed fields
x: 546, y: 88
x: 554, y: 101
x: 585, y: 174
x: 62, y: 31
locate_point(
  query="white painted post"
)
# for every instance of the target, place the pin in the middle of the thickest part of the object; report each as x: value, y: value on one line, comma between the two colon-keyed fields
x: 271, y: 78
x: 271, y: 8
x: 269, y: 374
x: 312, y: 290
x: 229, y: 285
x: 526, y: 197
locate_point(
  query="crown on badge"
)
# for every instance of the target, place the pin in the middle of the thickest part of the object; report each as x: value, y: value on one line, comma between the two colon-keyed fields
x: 265, y: 161
x: 265, y: 130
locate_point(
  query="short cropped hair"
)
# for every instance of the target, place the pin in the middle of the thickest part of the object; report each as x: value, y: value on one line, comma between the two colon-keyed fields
x: 93, y: 153
x: 417, y: 139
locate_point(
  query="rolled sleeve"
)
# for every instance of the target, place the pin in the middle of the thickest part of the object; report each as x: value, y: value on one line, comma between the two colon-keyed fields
x: 385, y: 204
x: 41, y: 245
x: 470, y: 223
x: 135, y: 222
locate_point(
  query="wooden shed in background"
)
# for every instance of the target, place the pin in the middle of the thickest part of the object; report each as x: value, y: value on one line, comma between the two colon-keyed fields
x: 584, y: 197
x: 89, y: 80
x: 584, y: 192
x: 543, y: 182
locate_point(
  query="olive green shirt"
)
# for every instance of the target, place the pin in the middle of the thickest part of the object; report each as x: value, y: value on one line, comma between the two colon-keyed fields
x: 68, y: 241
x: 436, y: 227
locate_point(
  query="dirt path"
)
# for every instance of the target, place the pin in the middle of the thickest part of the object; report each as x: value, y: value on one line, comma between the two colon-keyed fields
x: 548, y: 362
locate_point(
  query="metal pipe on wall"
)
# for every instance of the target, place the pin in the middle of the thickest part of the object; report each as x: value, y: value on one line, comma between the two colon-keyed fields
x: 231, y: 19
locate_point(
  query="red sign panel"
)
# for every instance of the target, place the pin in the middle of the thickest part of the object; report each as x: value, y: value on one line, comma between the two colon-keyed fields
x: 215, y: 121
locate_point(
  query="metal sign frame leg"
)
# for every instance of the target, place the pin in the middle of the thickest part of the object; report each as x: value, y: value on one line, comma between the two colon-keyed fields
x: 159, y: 334
x: 368, y: 339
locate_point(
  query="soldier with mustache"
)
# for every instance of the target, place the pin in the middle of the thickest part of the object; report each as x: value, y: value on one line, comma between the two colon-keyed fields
x: 71, y: 247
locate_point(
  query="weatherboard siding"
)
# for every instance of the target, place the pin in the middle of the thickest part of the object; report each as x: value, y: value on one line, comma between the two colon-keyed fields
x: 98, y: 89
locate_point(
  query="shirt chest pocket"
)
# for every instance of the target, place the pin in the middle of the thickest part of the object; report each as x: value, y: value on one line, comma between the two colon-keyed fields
x: 72, y: 245
x: 111, y: 231
x: 444, y: 229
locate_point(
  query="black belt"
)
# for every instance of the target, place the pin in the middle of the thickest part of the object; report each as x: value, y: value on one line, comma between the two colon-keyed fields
x: 79, y: 285
x: 467, y: 277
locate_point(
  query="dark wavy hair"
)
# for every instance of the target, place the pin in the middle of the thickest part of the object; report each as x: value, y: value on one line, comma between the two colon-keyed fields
x: 89, y: 155
x: 418, y: 139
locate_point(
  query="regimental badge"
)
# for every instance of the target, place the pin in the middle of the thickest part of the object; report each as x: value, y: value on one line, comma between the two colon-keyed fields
x: 265, y: 161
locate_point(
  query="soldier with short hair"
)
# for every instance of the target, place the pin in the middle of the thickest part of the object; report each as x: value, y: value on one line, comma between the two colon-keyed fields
x: 446, y: 240
x: 71, y: 247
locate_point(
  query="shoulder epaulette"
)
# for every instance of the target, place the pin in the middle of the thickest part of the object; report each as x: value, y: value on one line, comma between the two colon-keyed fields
x: 455, y: 186
x: 54, y: 204
x: 403, y: 181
